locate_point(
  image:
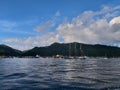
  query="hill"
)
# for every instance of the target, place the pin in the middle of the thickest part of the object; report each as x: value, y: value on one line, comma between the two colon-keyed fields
x: 64, y: 49
x: 8, y: 51
x: 74, y: 49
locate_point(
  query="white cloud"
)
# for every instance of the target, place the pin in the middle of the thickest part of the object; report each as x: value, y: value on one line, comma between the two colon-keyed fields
x: 115, y: 20
x: 92, y: 27
x: 30, y: 42
x: 44, y: 26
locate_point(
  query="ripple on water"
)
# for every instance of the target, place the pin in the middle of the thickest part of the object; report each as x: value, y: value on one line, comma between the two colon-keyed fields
x: 59, y: 74
x: 15, y: 76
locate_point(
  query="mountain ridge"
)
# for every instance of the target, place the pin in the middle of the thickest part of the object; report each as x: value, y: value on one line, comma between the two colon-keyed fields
x: 64, y: 49
x: 9, y: 51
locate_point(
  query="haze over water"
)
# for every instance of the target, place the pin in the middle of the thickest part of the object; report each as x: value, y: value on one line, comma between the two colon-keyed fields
x: 57, y: 74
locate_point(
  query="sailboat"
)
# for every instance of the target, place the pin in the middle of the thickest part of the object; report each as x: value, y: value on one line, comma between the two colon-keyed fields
x: 82, y: 56
x: 69, y: 53
x: 75, y: 52
x: 37, y: 56
x: 105, y: 57
x: 70, y: 56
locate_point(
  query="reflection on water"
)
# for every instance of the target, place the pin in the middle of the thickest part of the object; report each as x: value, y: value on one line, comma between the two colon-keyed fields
x: 65, y: 74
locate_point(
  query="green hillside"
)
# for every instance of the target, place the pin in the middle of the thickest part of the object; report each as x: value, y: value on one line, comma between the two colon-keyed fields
x: 73, y: 49
x: 8, y: 51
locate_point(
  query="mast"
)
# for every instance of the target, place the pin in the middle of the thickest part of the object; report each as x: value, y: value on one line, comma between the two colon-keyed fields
x: 81, y: 51
x: 69, y: 49
x: 75, y: 50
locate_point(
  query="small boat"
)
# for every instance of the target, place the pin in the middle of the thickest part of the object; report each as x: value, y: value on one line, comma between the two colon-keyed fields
x: 105, y: 56
x: 68, y: 57
x: 82, y: 53
x: 37, y: 56
x: 83, y: 57
x: 58, y: 56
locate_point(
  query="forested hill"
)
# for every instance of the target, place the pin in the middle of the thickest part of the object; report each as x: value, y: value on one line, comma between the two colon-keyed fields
x: 73, y: 49
x: 8, y: 51
x: 65, y: 49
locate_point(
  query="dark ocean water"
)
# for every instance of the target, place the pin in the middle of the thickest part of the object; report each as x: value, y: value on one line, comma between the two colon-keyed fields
x: 59, y: 74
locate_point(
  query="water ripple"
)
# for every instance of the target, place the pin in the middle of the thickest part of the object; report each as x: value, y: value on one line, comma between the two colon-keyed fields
x: 59, y: 74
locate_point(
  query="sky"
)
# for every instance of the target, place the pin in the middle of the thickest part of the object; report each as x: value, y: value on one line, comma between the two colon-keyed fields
x: 25, y: 24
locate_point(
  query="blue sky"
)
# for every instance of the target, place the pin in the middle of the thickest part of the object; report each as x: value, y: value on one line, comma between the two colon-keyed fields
x: 28, y: 23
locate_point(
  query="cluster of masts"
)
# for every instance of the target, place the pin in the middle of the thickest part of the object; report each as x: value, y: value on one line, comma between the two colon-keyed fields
x: 82, y: 56
x: 72, y: 54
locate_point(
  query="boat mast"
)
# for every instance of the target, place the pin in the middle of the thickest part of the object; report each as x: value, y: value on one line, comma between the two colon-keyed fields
x: 69, y: 49
x: 81, y: 51
x: 75, y: 50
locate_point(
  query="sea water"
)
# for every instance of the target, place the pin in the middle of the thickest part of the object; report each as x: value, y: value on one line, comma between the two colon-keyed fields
x: 59, y: 74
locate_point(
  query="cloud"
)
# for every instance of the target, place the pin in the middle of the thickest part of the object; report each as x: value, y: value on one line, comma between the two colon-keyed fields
x: 91, y: 27
x: 7, y: 25
x: 115, y: 20
x: 44, y: 26
x: 13, y: 27
x: 30, y: 42
x: 57, y: 14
